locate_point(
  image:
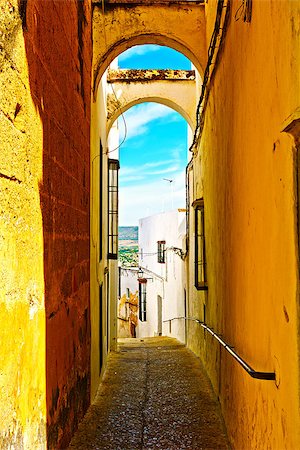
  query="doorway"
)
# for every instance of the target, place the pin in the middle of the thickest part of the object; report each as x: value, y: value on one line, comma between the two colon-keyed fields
x: 159, y: 315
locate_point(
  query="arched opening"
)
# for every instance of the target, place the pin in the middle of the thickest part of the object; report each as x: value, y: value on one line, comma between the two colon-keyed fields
x: 103, y: 61
x: 163, y: 101
x: 153, y: 157
x: 138, y: 80
x: 153, y: 141
x: 114, y: 104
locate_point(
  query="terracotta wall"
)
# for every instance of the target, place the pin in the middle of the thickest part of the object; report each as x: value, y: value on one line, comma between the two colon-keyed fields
x: 46, y: 135
x: 58, y: 48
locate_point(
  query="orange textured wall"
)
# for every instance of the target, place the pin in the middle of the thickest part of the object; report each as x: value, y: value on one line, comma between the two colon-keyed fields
x: 248, y: 170
x: 58, y: 48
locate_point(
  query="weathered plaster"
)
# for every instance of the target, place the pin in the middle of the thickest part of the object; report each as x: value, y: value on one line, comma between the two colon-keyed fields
x: 248, y: 169
x: 176, y: 89
x: 148, y: 24
x: 128, y: 307
x: 44, y: 180
x: 104, y: 273
x: 134, y: 75
x: 22, y: 314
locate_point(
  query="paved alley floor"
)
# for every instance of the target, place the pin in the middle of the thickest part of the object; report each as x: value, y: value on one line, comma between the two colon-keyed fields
x: 154, y: 395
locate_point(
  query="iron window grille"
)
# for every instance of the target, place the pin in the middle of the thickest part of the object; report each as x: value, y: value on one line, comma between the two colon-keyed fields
x: 200, y: 255
x: 113, y: 188
x: 100, y: 201
x: 119, y: 281
x: 100, y: 330
x: 142, y: 300
x: 161, y: 251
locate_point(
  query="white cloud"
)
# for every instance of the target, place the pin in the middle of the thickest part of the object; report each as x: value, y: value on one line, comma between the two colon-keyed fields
x: 127, y: 170
x: 158, y: 163
x: 176, y: 152
x: 147, y: 197
x: 139, y: 118
x: 143, y: 172
x: 129, y: 178
x: 170, y: 169
x: 146, y: 168
x: 138, y: 50
x: 151, y: 198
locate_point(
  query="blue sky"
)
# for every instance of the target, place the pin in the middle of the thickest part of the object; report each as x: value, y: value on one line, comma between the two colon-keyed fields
x: 155, y: 147
x: 153, y: 57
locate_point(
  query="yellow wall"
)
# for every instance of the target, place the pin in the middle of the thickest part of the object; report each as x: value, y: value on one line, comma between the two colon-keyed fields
x: 98, y: 132
x: 248, y: 172
x: 22, y: 318
x: 126, y: 26
x: 103, y: 271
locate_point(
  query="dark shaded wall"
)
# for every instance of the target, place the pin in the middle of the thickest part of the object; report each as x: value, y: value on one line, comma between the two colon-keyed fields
x: 58, y: 47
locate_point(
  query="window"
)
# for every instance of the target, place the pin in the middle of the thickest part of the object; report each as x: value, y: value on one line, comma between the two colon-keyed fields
x: 200, y: 258
x: 100, y: 201
x: 161, y: 251
x: 113, y: 168
x: 142, y: 300
x: 100, y: 327
x: 127, y: 293
x: 119, y: 281
x: 107, y: 310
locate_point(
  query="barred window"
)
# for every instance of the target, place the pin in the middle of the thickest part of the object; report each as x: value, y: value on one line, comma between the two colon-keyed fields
x: 100, y: 201
x: 113, y: 168
x: 161, y: 251
x: 200, y: 257
x: 142, y: 300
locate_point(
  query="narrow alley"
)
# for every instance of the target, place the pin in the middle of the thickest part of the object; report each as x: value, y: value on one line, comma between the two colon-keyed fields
x: 96, y: 118
x: 154, y: 394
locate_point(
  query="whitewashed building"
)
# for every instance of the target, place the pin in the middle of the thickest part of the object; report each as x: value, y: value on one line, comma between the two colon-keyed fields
x: 161, y: 275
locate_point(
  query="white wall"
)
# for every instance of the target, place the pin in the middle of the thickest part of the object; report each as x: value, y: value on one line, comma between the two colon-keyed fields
x: 164, y: 279
x: 129, y: 280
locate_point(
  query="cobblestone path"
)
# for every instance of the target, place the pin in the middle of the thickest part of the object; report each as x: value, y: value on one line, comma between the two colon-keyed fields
x: 154, y: 395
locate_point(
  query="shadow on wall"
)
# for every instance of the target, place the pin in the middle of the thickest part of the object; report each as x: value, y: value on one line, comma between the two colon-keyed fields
x: 58, y: 47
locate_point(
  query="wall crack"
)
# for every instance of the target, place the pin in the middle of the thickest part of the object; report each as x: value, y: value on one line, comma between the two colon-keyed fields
x: 10, y: 178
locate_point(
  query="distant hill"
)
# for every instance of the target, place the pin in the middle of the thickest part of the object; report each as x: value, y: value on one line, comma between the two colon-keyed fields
x: 128, y: 233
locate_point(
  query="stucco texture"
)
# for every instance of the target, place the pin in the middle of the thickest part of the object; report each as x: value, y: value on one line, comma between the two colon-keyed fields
x: 45, y: 113
x: 22, y: 317
x: 248, y: 172
x: 175, y: 89
x: 126, y: 26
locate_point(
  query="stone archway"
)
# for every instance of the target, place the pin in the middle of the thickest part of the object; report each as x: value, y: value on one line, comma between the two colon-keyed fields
x: 117, y: 26
x: 132, y: 24
x: 132, y: 87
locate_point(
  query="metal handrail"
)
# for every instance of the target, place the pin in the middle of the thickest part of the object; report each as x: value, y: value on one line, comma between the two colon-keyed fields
x: 253, y: 373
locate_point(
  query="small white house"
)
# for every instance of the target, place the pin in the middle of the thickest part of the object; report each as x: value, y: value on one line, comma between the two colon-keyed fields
x: 161, y: 283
